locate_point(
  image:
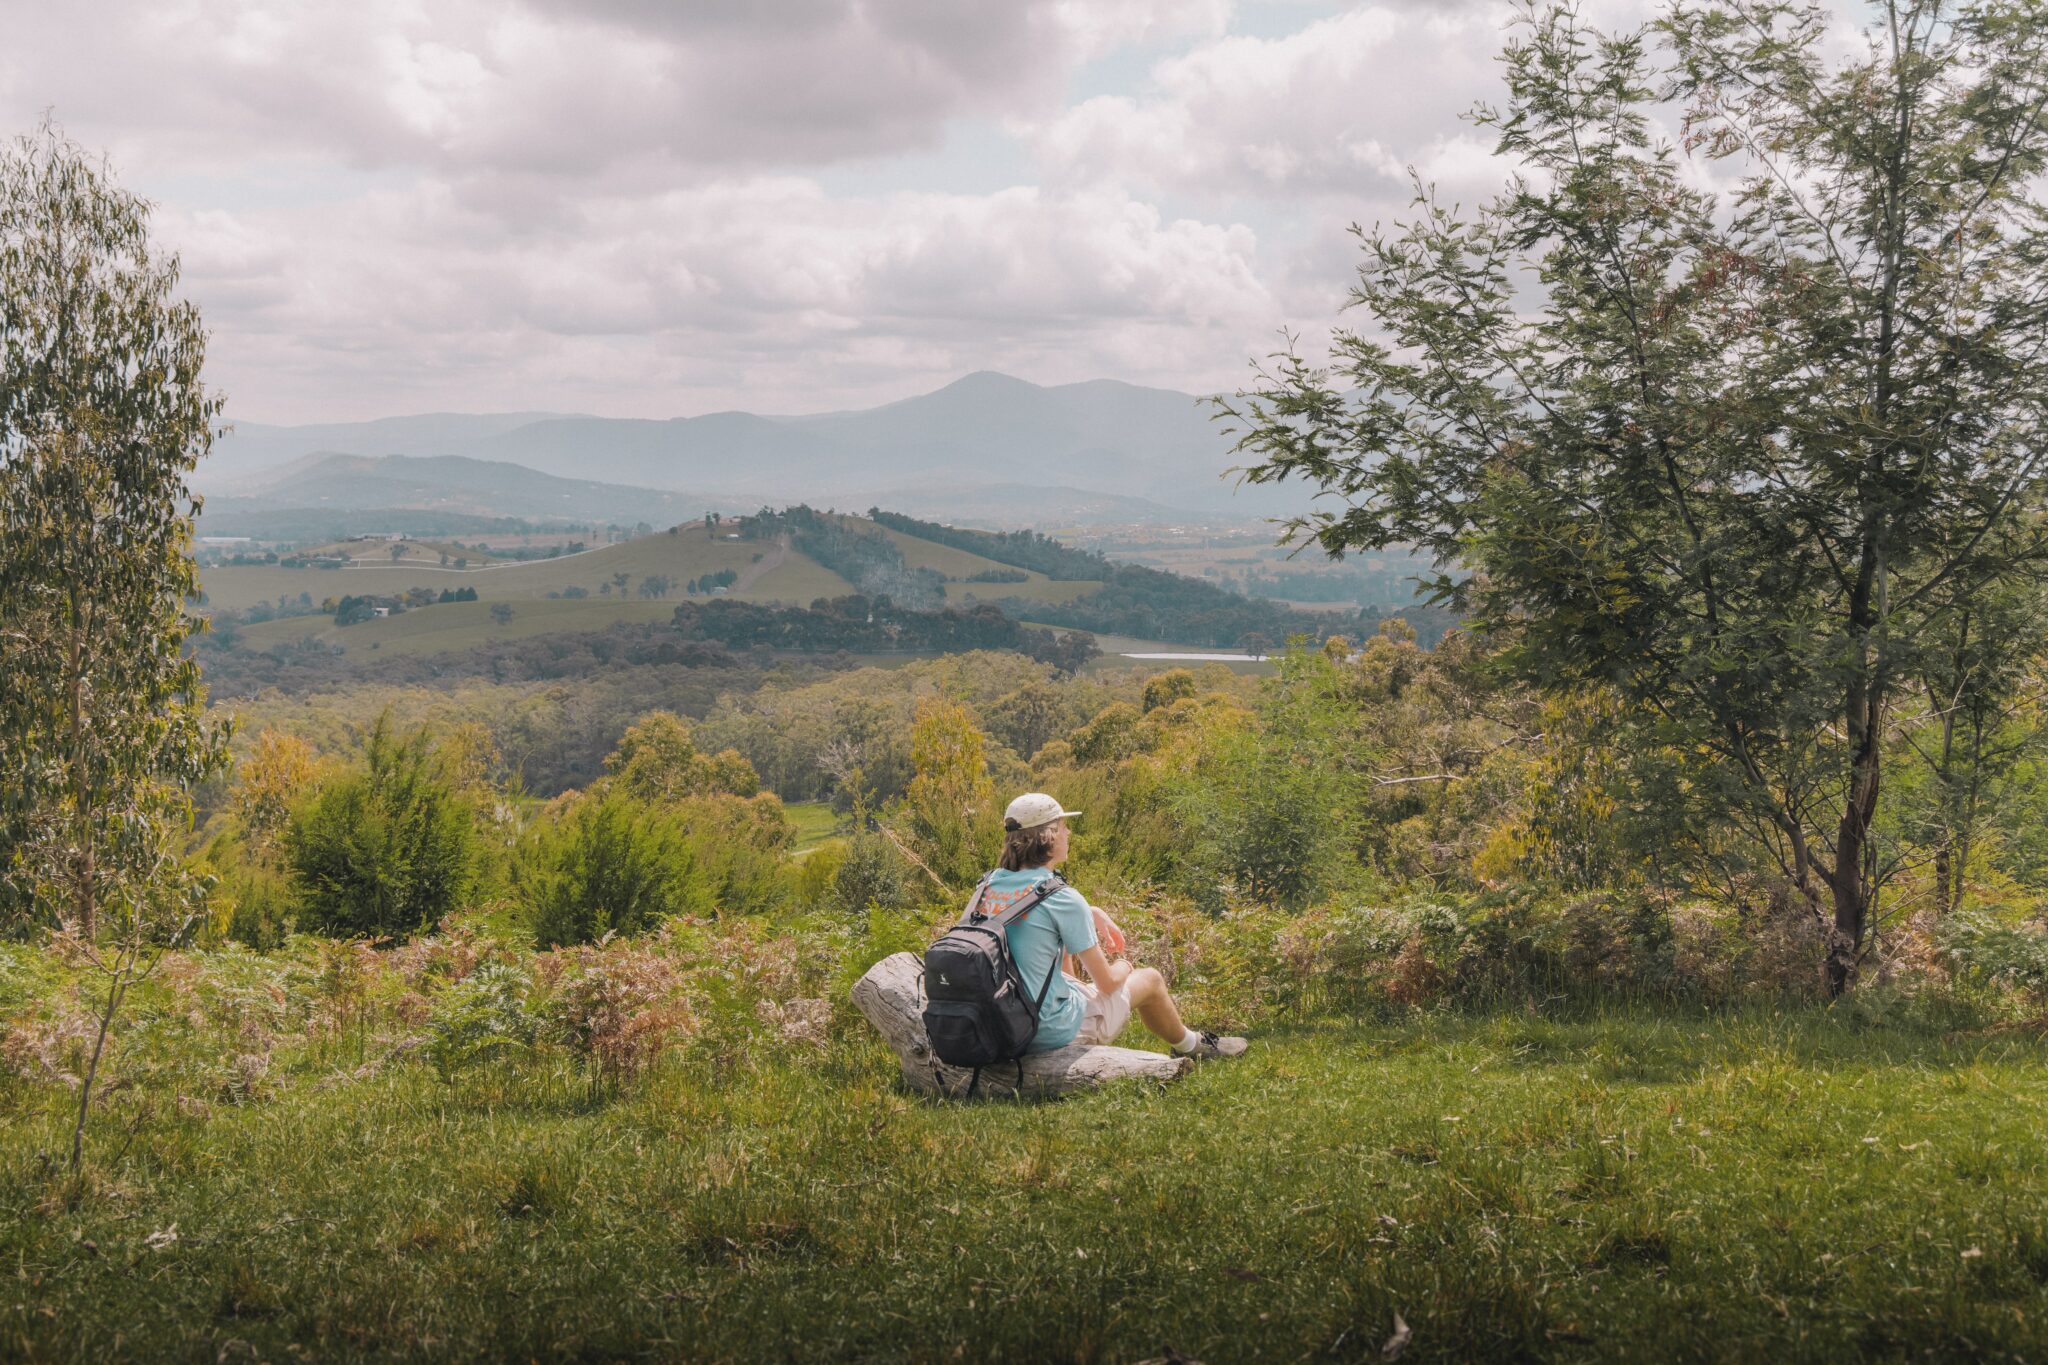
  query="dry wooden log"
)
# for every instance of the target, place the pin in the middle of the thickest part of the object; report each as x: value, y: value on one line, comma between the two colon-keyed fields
x: 891, y: 996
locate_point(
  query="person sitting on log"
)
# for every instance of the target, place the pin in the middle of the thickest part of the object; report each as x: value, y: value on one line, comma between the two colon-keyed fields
x: 1094, y: 1011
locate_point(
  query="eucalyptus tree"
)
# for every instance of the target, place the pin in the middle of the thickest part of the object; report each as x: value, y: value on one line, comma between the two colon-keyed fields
x: 103, y: 414
x: 1740, y: 459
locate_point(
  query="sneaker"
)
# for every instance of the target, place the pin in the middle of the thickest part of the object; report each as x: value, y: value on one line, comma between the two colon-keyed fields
x: 1210, y: 1045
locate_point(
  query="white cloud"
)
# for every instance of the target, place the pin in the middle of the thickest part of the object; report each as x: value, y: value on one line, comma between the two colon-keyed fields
x: 566, y: 88
x: 767, y: 288
x: 616, y: 205
x: 1341, y: 106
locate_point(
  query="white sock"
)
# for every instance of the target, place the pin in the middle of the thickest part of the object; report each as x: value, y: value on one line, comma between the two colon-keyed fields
x: 1189, y: 1041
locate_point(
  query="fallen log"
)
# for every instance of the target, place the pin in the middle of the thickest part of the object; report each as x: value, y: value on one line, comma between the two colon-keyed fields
x: 891, y: 997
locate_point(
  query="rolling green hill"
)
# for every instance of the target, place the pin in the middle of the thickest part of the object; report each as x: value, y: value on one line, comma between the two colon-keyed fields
x: 767, y: 573
x: 460, y: 625
x: 959, y: 565
x: 596, y: 589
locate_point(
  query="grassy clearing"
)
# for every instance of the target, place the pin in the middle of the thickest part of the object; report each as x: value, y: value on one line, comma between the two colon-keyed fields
x: 410, y: 552
x: 1039, y: 589
x: 815, y: 822
x: 459, y: 625
x: 959, y: 565
x: 1620, y: 1186
x: 689, y: 553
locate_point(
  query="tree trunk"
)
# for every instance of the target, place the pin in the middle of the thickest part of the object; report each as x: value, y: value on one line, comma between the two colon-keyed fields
x: 116, y: 988
x: 1851, y: 896
x: 891, y: 997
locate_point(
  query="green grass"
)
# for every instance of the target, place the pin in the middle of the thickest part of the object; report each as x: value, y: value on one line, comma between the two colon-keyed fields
x: 815, y: 822
x: 683, y: 556
x: 960, y: 565
x: 459, y: 625
x: 1625, y: 1186
x: 413, y: 552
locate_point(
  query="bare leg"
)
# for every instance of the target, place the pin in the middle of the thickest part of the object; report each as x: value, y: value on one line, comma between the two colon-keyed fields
x: 1155, y: 1004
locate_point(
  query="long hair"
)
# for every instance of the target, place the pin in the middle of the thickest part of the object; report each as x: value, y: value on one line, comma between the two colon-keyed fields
x: 1024, y: 848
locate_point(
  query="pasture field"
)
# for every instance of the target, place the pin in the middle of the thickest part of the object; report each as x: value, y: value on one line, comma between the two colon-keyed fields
x: 961, y: 564
x: 1038, y: 589
x: 767, y: 574
x: 815, y: 822
x: 378, y: 553
x: 461, y: 625
x: 281, y: 1174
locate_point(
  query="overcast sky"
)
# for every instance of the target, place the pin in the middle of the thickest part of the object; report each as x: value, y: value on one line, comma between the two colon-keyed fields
x: 665, y: 207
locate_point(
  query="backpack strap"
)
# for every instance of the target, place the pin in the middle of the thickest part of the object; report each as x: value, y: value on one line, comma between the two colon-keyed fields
x: 972, y: 914
x: 1003, y: 919
x: 1051, y: 886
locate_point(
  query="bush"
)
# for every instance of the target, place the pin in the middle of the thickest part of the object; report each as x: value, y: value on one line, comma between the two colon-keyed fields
x: 742, y: 844
x: 618, y: 1013
x: 611, y: 864
x: 1983, y: 949
x: 260, y: 906
x: 817, y: 874
x: 385, y: 851
x: 871, y: 873
x: 477, y: 1018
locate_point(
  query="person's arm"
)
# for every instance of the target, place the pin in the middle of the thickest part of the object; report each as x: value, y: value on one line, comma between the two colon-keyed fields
x: 1107, y: 931
x: 1106, y: 975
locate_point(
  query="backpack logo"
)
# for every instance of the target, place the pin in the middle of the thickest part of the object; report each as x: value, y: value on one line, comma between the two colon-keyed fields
x: 944, y: 980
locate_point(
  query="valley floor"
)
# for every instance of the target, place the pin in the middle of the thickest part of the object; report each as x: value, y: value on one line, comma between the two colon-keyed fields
x: 1626, y: 1186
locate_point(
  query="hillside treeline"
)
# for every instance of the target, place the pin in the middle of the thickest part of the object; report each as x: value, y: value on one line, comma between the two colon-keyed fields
x: 1149, y: 604
x: 864, y: 558
x: 874, y: 625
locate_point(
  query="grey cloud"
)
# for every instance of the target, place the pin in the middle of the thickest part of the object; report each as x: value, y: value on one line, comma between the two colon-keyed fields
x: 554, y: 87
x: 604, y: 205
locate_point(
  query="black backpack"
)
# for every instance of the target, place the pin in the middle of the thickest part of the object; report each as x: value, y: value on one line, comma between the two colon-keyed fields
x: 977, y: 1009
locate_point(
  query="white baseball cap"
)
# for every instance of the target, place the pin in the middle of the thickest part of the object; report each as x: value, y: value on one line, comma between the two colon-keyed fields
x: 1033, y: 809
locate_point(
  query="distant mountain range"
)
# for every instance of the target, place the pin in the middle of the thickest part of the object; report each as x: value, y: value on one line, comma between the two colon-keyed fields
x: 442, y: 483
x: 987, y: 447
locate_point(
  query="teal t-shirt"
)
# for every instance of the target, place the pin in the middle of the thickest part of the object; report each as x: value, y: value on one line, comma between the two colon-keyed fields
x: 1059, y: 923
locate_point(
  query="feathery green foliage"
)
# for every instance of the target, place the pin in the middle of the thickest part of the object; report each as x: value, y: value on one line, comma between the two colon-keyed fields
x: 103, y: 414
x: 387, y: 850
x: 610, y: 864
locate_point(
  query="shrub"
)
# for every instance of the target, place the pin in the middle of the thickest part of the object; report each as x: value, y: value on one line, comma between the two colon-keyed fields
x: 871, y: 873
x: 619, y: 1012
x: 951, y: 813
x: 479, y: 1017
x: 817, y: 874
x: 742, y: 845
x: 1261, y: 820
x: 385, y: 851
x: 1984, y: 949
x: 610, y: 864
x: 259, y: 900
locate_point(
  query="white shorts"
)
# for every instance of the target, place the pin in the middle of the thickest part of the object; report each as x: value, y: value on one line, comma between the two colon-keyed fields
x: 1102, y: 1016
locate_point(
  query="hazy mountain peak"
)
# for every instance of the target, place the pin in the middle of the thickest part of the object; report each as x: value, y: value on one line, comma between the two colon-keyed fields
x: 1103, y: 437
